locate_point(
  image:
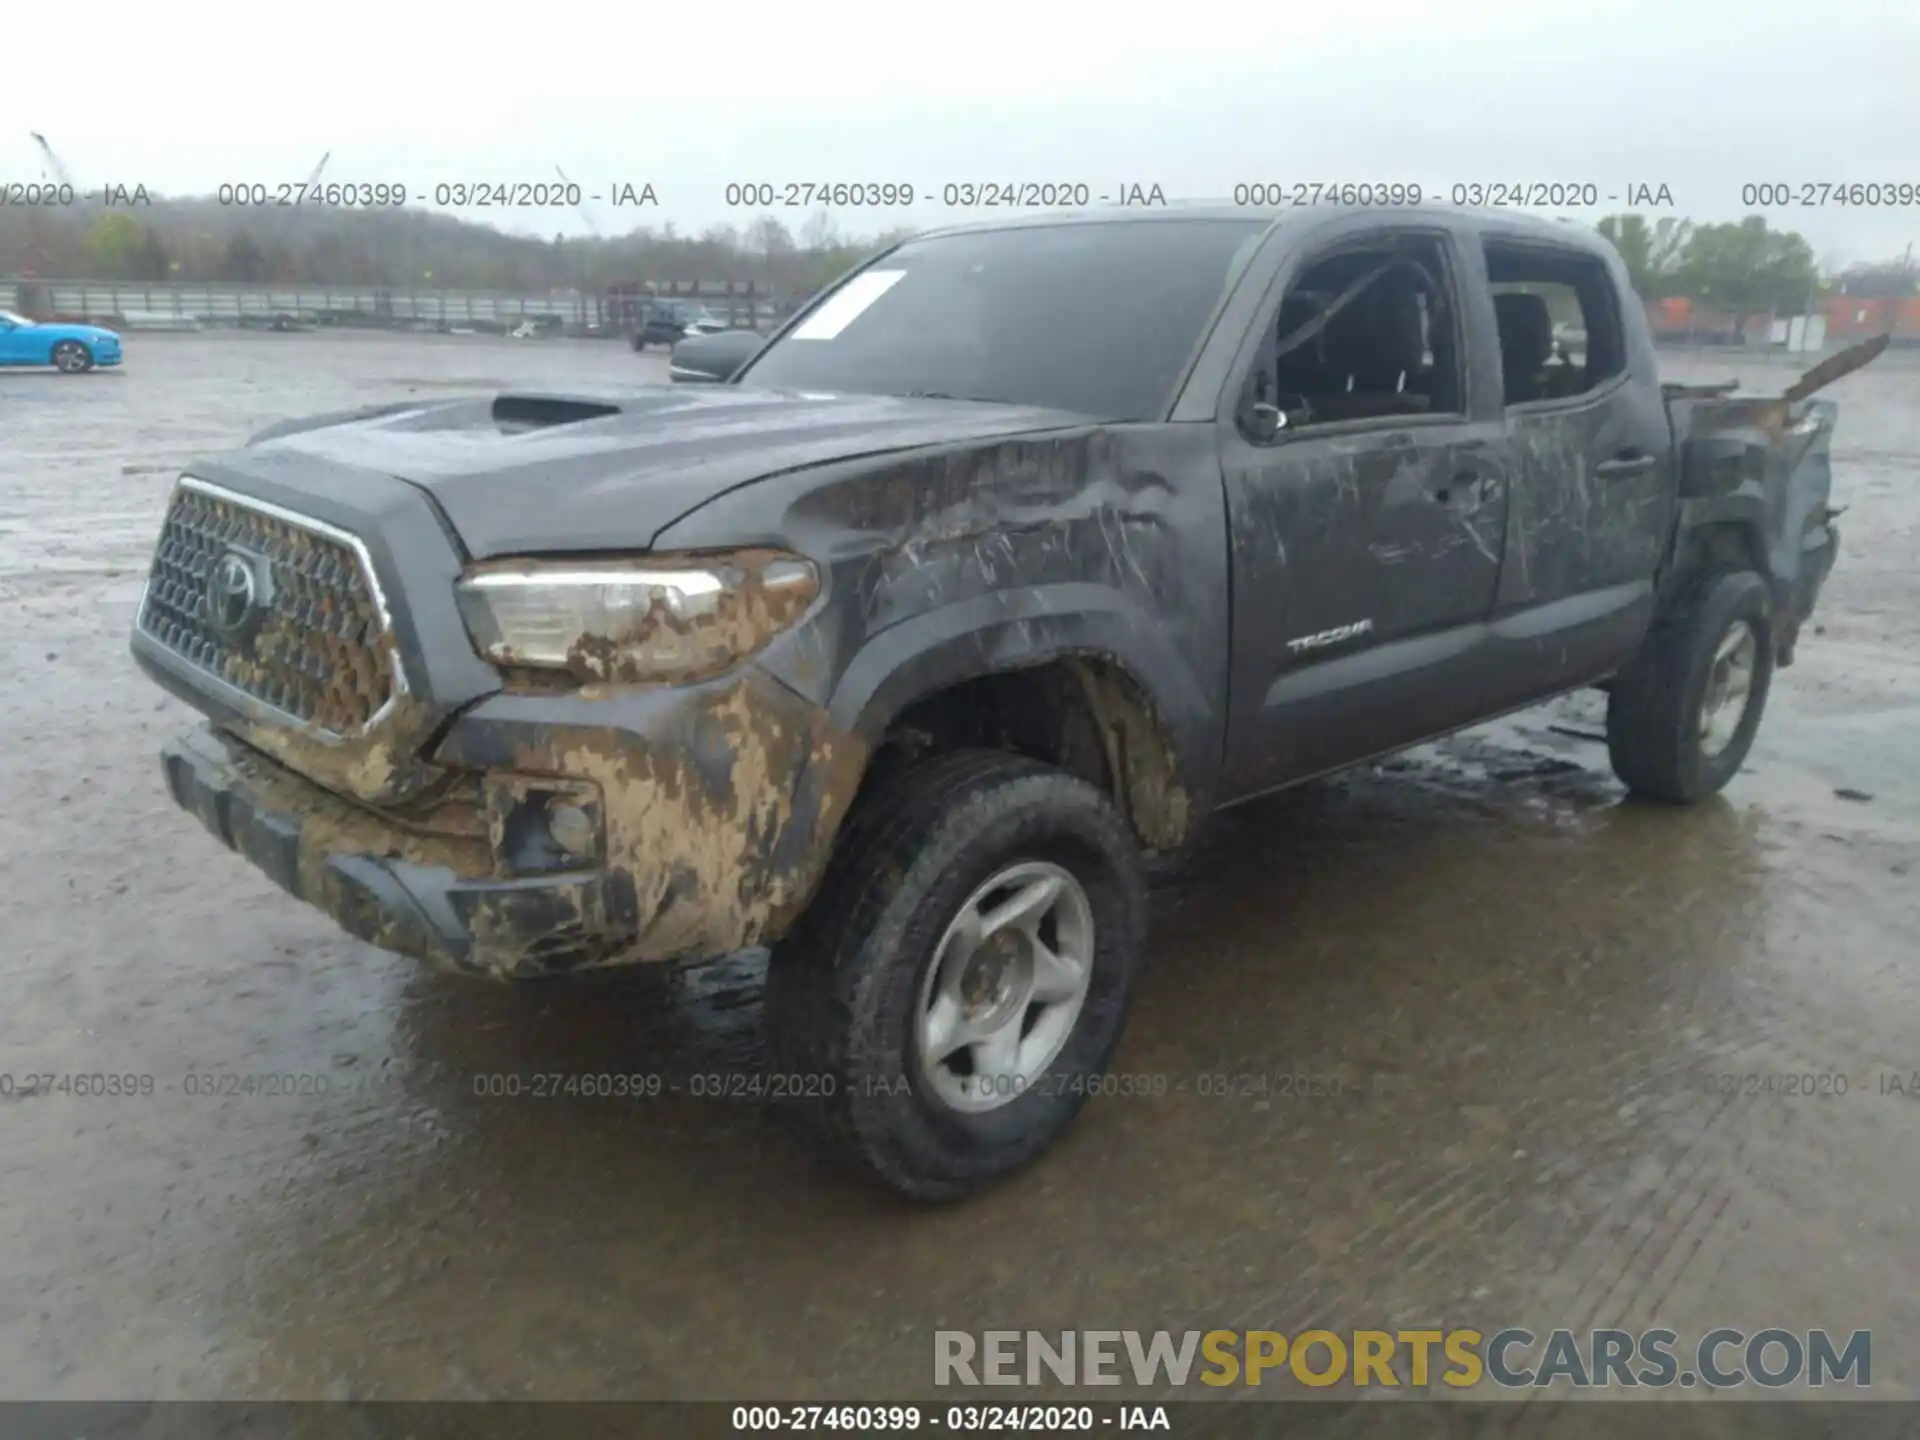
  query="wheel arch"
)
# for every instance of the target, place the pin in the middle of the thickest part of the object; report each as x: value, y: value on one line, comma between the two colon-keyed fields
x: 1099, y: 692
x: 1729, y: 535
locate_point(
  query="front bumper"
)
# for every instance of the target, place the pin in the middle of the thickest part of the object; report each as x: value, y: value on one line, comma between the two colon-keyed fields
x: 419, y: 892
x: 505, y: 825
x: 712, y: 810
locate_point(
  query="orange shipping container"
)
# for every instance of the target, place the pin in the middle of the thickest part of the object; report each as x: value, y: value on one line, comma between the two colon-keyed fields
x: 1856, y: 317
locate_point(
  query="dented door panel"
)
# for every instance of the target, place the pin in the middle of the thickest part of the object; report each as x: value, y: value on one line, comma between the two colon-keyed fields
x: 1591, y: 511
x: 1365, y: 556
x: 1592, y: 496
x: 1358, y: 561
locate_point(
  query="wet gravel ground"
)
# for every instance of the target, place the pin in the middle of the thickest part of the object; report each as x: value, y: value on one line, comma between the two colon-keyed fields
x: 1516, y: 983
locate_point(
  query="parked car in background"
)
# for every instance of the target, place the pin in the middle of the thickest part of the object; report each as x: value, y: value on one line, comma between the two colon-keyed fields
x: 667, y: 322
x: 538, y: 327
x: 70, y: 348
x: 1570, y: 341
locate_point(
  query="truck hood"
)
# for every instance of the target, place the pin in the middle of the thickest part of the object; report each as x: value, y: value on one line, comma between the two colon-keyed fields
x: 525, y: 473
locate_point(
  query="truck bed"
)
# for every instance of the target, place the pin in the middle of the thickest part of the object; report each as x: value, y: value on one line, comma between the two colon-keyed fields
x: 1766, y: 458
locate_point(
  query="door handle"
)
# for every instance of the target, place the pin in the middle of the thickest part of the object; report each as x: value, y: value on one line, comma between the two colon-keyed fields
x: 1624, y: 466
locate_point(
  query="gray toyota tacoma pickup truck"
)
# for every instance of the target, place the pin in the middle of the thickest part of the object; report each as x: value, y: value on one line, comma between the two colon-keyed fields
x: 994, y: 571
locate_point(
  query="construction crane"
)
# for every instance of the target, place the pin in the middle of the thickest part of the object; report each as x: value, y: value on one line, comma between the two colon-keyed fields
x: 580, y: 204
x: 53, y: 160
x: 314, y: 178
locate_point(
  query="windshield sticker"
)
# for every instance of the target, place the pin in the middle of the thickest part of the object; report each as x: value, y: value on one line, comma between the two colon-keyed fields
x: 847, y: 304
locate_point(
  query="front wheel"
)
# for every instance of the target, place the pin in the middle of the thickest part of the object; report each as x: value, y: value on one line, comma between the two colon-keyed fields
x: 1682, y: 716
x: 70, y: 357
x: 963, y: 973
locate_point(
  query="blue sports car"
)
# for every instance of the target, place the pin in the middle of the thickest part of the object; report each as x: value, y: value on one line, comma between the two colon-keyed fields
x: 68, y: 348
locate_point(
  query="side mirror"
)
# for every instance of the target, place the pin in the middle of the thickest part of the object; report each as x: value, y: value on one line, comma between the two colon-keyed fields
x: 1264, y: 422
x: 712, y: 359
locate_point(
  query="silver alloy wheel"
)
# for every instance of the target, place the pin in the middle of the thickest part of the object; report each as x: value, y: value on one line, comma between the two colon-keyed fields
x: 1729, y: 685
x: 70, y: 356
x: 1006, y: 986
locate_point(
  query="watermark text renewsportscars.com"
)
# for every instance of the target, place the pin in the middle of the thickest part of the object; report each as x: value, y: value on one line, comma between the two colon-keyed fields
x: 1512, y: 1358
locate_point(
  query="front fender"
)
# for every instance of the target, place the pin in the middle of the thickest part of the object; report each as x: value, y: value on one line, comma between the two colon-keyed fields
x: 999, y: 554
x: 1015, y: 630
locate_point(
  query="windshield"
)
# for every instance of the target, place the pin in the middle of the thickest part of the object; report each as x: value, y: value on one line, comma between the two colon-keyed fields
x: 7, y: 317
x: 1093, y: 318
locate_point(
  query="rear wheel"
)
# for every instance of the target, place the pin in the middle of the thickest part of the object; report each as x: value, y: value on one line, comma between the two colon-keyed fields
x: 1682, y: 717
x: 70, y: 357
x: 963, y: 973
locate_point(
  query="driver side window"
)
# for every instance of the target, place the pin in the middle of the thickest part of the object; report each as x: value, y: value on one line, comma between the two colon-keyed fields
x: 1368, y: 333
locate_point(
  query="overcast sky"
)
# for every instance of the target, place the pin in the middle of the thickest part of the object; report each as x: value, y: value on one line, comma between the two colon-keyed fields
x: 1702, y: 97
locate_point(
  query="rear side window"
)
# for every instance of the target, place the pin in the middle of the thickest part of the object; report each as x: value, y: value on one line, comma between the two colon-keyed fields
x: 1559, y: 319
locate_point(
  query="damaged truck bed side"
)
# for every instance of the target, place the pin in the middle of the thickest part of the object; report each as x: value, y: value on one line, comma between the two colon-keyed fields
x: 1006, y: 561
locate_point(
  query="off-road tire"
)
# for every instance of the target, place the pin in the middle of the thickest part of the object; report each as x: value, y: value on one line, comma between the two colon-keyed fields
x: 71, y: 357
x: 1653, y: 707
x: 843, y: 987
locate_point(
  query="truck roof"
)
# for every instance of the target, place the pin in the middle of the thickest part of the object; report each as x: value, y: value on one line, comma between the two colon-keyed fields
x: 1517, y: 225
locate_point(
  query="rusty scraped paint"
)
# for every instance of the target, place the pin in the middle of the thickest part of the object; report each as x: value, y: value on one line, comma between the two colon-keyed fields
x: 1771, y: 413
x: 1836, y: 367
x: 1139, y: 757
x: 722, y: 831
x: 448, y: 829
x: 725, y: 831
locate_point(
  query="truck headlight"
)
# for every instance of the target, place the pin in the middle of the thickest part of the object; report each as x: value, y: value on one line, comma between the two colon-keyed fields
x: 659, y: 618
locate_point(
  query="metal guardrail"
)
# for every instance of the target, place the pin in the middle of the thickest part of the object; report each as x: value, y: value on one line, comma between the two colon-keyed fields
x: 214, y: 304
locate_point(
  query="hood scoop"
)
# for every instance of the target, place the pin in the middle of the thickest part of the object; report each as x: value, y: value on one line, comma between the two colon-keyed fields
x: 517, y: 414
x: 520, y: 472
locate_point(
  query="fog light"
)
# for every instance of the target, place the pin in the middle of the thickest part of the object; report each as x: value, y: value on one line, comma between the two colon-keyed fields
x: 571, y: 829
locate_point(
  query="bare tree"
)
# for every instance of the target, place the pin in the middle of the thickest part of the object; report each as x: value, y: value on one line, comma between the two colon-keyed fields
x: 769, y: 239
x: 819, y: 233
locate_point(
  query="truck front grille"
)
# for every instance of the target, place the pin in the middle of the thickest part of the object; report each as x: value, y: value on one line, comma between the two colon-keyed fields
x: 278, y: 606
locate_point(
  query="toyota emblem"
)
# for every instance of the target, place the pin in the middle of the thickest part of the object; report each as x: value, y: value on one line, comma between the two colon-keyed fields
x: 232, y: 594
